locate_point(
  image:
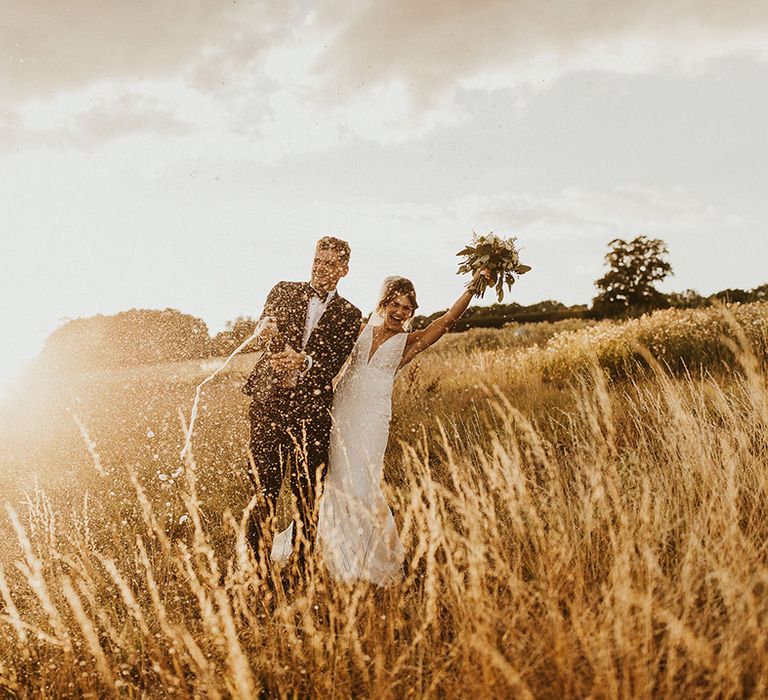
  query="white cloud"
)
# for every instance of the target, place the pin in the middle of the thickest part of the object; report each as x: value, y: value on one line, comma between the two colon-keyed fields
x: 386, y: 114
x: 51, y: 45
x: 435, y: 44
x: 579, y: 214
x: 276, y: 78
x: 572, y: 213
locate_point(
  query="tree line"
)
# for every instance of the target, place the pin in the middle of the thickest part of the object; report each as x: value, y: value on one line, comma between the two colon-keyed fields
x: 627, y: 289
x: 142, y: 336
x: 126, y: 339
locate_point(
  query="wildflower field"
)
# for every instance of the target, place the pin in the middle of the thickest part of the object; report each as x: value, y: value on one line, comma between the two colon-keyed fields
x: 584, y: 508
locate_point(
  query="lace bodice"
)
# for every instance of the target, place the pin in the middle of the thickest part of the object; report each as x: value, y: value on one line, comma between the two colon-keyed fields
x: 387, y: 356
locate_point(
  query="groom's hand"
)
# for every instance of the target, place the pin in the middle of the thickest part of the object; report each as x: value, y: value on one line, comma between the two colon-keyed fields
x: 288, y: 361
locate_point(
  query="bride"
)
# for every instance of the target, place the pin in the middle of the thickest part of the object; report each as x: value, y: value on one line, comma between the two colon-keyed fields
x: 356, y: 532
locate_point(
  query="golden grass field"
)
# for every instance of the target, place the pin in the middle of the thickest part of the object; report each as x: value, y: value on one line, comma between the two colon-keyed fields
x: 580, y: 520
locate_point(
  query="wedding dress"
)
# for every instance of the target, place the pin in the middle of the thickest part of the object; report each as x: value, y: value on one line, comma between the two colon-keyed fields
x: 356, y: 533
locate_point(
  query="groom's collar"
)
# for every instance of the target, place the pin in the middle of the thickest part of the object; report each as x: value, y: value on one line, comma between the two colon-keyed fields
x: 325, y: 297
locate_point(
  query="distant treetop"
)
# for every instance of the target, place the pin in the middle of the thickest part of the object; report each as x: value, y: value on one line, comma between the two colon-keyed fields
x: 135, y: 337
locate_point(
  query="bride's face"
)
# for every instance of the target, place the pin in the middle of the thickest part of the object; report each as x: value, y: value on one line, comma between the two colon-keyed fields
x: 397, y: 312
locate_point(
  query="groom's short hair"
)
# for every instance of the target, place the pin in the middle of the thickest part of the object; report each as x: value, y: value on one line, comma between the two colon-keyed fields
x: 341, y: 248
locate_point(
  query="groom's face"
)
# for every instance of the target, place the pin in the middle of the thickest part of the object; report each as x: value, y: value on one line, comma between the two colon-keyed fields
x: 328, y: 268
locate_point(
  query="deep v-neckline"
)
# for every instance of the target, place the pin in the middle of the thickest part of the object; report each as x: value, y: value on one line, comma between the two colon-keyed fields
x: 371, y: 351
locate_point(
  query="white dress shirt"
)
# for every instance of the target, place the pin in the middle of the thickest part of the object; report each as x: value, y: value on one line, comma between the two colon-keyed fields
x: 315, y: 310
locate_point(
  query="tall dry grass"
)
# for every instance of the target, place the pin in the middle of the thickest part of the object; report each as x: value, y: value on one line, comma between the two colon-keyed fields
x: 613, y: 545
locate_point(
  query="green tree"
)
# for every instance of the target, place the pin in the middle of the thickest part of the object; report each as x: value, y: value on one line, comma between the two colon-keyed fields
x: 233, y: 334
x: 759, y: 293
x: 126, y: 339
x: 689, y: 299
x: 733, y: 296
x: 628, y: 287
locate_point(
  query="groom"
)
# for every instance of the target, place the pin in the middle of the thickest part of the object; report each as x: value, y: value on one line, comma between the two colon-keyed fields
x: 313, y: 330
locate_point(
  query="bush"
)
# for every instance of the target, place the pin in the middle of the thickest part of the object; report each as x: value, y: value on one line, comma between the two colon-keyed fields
x: 691, y: 339
x: 228, y: 340
x: 129, y: 338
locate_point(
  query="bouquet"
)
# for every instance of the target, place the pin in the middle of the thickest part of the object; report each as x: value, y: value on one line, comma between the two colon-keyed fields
x: 497, y: 255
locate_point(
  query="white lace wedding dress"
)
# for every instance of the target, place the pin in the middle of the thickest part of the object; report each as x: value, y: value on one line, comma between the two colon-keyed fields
x: 356, y: 534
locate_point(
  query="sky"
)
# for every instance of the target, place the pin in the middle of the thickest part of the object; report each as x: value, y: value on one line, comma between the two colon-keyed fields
x: 188, y: 153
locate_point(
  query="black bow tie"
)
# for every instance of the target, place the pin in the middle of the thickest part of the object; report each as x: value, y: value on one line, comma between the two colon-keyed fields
x: 322, y: 296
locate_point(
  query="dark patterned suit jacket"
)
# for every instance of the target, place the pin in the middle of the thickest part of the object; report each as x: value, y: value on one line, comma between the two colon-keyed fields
x: 329, y: 345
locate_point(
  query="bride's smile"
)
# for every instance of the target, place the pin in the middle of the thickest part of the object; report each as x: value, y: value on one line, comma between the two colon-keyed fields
x: 397, y: 312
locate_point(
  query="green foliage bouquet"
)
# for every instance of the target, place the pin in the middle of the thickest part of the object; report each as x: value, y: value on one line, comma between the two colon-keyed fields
x: 499, y: 256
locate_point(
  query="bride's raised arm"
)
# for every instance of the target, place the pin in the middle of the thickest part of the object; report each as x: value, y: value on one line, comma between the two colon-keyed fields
x: 418, y: 341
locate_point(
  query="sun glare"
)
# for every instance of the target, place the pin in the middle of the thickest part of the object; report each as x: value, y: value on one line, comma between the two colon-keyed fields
x: 11, y: 368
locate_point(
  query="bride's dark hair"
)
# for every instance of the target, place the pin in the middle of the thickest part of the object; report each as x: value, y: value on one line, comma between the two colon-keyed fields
x: 395, y: 287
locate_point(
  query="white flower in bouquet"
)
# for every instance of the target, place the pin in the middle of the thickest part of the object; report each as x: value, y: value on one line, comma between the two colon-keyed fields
x: 499, y: 256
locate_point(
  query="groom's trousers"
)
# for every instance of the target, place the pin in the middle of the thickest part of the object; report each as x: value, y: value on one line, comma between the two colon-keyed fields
x: 293, y: 445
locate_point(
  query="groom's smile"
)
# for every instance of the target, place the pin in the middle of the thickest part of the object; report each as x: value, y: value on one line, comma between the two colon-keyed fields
x: 328, y: 268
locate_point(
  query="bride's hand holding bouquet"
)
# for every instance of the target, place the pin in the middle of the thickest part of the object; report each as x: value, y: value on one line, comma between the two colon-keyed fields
x: 498, y: 257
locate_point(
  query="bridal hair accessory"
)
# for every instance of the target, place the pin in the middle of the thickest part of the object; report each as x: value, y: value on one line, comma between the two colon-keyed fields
x: 499, y: 256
